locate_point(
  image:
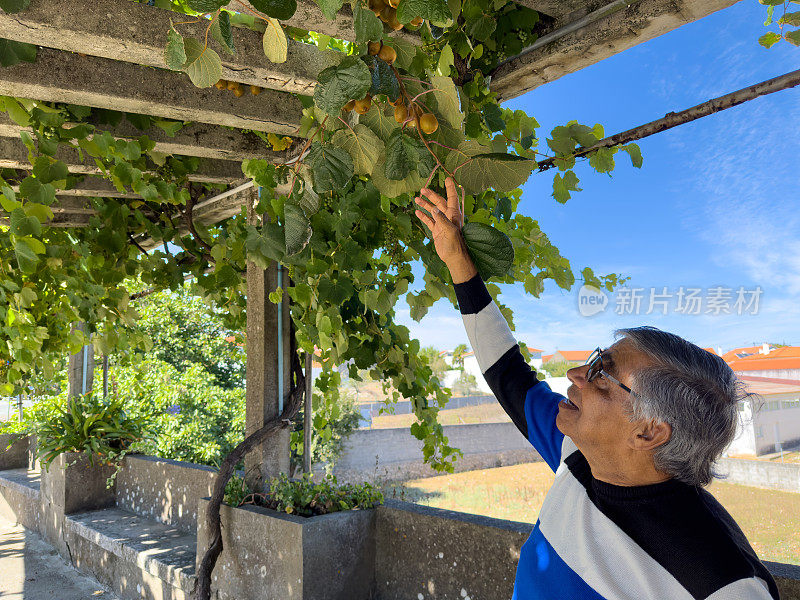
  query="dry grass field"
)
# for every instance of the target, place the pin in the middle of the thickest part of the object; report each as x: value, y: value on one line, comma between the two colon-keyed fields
x: 483, y: 413
x: 769, y: 518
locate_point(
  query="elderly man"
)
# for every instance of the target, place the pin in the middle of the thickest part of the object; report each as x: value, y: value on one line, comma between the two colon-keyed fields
x: 632, y: 446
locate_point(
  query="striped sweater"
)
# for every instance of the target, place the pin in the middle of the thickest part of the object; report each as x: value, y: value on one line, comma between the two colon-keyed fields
x: 595, y: 540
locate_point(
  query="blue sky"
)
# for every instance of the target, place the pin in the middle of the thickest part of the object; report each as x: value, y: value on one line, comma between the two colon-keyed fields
x: 715, y: 204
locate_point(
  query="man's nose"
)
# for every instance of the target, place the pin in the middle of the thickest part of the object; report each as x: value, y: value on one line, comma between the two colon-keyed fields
x: 577, y: 375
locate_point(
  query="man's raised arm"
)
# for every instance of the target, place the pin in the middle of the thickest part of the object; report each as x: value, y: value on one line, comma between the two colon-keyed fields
x: 498, y: 354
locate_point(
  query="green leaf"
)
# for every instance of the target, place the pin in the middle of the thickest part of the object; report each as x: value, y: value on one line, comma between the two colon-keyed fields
x: 22, y: 225
x: 18, y: 114
x: 35, y: 191
x: 493, y: 117
x: 792, y: 18
x: 367, y: 26
x: 337, y: 85
x: 203, y: 65
x: 392, y: 188
x: 13, y: 52
x: 169, y: 127
x: 206, y: 6
x: 562, y: 186
x: 406, y: 51
x: 277, y: 9
x: 297, y: 228
x: 330, y: 8
x: 478, y: 171
x: 384, y: 80
x: 276, y: 47
x: 635, y: 153
x: 402, y: 155
x: 793, y: 37
x: 26, y: 258
x: 309, y: 201
x: 363, y: 146
x: 221, y: 31
x: 446, y: 60
x: 447, y: 100
x: 380, y: 119
x: 14, y: 6
x: 769, y: 39
x: 430, y: 10
x: 40, y: 212
x: 174, y: 53
x: 602, y: 160
x: 332, y: 167
x: 48, y: 170
x: 335, y: 292
x: 483, y: 28
x: 491, y: 250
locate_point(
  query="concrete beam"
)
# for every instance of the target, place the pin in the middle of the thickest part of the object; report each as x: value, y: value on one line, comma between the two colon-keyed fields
x: 59, y: 76
x: 136, y: 33
x: 553, y: 8
x: 195, y: 139
x: 14, y: 155
x: 615, y: 32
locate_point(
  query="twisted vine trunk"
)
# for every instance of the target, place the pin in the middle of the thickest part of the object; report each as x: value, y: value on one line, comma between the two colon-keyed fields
x: 202, y: 589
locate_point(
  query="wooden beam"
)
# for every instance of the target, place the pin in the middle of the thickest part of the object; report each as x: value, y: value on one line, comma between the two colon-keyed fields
x: 59, y: 76
x: 614, y: 31
x: 128, y: 31
x: 93, y: 187
x: 195, y: 139
x: 14, y: 155
x: 554, y: 8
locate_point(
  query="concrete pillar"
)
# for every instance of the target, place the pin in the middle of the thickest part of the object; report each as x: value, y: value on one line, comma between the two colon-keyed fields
x: 262, y: 393
x: 76, y: 369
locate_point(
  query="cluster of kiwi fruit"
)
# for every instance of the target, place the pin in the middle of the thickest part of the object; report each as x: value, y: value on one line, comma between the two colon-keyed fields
x: 236, y: 88
x: 386, y: 11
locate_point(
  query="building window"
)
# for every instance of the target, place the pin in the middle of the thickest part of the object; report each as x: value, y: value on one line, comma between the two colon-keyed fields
x: 792, y: 403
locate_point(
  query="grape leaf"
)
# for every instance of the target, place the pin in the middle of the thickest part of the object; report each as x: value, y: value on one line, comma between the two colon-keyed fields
x: 380, y: 120
x: 297, y: 228
x: 362, y: 145
x: 562, y: 186
x: 478, y: 171
x: 337, y: 85
x: 203, y: 65
x: 482, y: 28
x: 430, y: 10
x: 491, y: 250
x: 221, y: 31
x: 332, y: 167
x: 26, y: 257
x: 12, y: 52
x: 276, y: 47
x: 635, y: 153
x: 277, y: 9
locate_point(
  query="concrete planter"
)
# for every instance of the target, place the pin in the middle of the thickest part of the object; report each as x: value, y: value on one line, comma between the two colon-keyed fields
x: 16, y: 456
x: 269, y: 555
x: 72, y: 484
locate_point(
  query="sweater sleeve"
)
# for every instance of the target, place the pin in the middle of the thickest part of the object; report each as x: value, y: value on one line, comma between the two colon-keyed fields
x: 529, y: 402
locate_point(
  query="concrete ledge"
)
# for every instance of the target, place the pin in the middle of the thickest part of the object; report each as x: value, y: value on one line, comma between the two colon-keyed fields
x: 13, y: 451
x: 165, y: 490
x: 137, y: 557
x: 20, y: 498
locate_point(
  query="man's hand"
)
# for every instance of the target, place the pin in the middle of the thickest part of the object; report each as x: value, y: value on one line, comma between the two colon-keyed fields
x: 445, y: 226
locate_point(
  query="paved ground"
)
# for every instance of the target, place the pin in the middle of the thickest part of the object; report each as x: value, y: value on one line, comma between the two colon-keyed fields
x: 30, y: 569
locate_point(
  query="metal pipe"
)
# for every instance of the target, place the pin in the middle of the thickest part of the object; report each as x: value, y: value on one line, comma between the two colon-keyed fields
x: 105, y: 376
x: 280, y: 342
x: 593, y: 16
x: 19, y: 408
x: 307, y: 416
x: 85, y: 365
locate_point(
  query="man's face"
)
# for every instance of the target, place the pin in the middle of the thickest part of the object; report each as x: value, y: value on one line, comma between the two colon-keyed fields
x: 599, y: 425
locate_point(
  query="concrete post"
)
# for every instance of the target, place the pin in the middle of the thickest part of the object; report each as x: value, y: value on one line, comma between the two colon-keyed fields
x: 77, y: 369
x: 262, y: 393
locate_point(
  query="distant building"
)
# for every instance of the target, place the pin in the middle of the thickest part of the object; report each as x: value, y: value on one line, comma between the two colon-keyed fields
x: 471, y: 367
x: 770, y: 422
x: 765, y: 361
x: 572, y: 357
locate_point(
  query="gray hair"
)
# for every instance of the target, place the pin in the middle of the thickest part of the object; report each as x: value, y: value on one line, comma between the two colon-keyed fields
x: 693, y: 390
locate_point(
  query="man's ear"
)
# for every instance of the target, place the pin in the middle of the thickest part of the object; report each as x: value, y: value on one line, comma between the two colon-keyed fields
x: 649, y: 435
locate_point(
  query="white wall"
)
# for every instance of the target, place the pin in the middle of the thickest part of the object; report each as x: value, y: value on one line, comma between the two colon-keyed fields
x: 776, y: 373
x: 745, y: 441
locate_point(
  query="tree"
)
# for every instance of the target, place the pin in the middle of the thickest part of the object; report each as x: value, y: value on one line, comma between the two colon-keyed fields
x: 458, y: 355
x: 431, y: 357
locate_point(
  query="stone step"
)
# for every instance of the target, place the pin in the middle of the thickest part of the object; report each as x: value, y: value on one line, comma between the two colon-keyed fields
x: 19, y: 497
x: 139, y: 558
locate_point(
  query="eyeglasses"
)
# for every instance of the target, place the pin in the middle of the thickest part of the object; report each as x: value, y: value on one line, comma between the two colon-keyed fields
x: 595, y: 363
